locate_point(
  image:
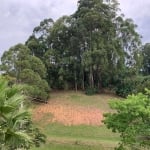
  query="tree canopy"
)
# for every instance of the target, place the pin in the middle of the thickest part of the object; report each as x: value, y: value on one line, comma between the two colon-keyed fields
x: 93, y: 48
x: 89, y: 48
x: 27, y: 69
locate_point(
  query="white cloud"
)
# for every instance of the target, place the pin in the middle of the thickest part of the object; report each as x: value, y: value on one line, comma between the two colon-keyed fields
x: 19, y: 17
x: 138, y: 10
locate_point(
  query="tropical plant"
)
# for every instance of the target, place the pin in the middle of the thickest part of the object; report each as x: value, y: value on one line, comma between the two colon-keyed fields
x: 16, y: 128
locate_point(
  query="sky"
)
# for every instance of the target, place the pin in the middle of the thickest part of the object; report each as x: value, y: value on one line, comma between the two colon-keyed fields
x: 19, y: 17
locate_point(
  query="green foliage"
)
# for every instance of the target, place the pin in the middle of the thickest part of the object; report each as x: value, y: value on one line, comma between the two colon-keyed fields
x: 125, y: 87
x: 11, y: 80
x: 89, y: 48
x: 132, y: 84
x: 131, y: 120
x: 36, y: 93
x: 16, y: 128
x: 37, y: 87
x: 26, y: 69
x: 37, y: 66
x: 146, y: 59
x: 91, y: 91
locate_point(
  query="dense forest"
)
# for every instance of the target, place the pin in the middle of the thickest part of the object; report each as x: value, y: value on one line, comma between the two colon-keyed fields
x: 94, y: 48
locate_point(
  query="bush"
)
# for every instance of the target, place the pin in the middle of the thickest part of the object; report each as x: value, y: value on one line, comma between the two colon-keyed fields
x: 134, y: 85
x: 144, y: 83
x: 36, y: 93
x: 37, y: 88
x: 16, y: 128
x: 131, y: 119
x: 91, y: 91
x: 124, y: 87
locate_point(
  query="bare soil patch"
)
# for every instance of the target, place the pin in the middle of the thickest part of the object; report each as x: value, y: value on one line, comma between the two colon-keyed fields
x: 67, y: 114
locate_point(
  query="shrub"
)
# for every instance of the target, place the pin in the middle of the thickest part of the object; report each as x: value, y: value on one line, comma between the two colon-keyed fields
x: 91, y: 91
x: 36, y: 93
x: 37, y: 88
x: 132, y: 85
x: 131, y: 119
x: 16, y: 128
x: 144, y: 83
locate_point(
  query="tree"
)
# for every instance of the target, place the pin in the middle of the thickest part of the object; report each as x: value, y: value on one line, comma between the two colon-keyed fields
x: 57, y: 58
x: 146, y: 59
x: 14, y: 60
x: 27, y: 69
x: 132, y: 120
x: 94, y: 18
x: 107, y: 36
x: 38, y: 41
x: 92, y: 48
x: 16, y: 128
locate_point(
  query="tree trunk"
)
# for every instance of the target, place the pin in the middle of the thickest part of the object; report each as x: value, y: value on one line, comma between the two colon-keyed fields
x: 91, y: 78
x: 83, y: 85
x: 75, y: 81
x: 99, y: 79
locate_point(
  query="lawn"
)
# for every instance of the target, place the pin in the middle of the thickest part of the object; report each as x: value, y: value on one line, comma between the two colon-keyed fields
x: 79, y: 98
x: 77, y: 137
x: 55, y: 146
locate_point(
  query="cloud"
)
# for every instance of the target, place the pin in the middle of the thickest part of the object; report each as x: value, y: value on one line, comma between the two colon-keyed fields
x: 19, y: 17
x: 138, y: 10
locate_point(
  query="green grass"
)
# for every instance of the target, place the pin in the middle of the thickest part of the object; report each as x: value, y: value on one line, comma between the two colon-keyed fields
x: 81, y: 132
x: 81, y: 137
x: 56, y: 146
x: 79, y: 98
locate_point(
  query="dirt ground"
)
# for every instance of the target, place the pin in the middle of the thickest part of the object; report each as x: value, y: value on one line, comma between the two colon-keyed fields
x: 67, y: 114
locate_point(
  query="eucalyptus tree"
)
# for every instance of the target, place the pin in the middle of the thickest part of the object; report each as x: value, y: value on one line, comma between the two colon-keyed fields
x: 38, y: 41
x: 96, y: 19
x: 90, y: 48
x: 146, y: 59
x: 130, y: 42
x: 58, y: 56
x: 93, y: 45
x: 14, y: 60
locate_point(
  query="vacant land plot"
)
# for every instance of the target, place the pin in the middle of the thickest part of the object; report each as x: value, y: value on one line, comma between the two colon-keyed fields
x: 73, y: 121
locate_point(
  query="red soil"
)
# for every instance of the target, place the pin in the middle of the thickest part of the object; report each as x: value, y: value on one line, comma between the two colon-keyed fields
x: 68, y: 114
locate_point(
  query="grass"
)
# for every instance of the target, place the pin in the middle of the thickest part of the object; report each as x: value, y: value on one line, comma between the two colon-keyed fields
x: 56, y: 146
x: 81, y: 132
x: 81, y: 137
x: 100, y: 101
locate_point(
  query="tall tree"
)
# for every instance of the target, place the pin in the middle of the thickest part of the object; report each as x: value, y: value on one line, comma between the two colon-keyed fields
x: 146, y: 59
x: 38, y: 41
x: 90, y: 48
x: 19, y: 63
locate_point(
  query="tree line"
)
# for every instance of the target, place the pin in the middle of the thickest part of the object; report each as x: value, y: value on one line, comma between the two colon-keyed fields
x: 93, y: 48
